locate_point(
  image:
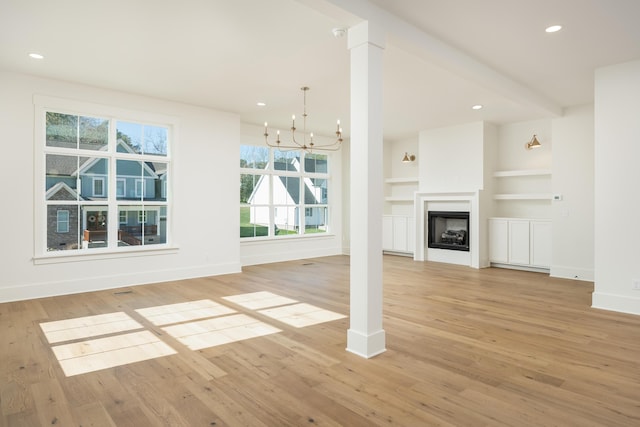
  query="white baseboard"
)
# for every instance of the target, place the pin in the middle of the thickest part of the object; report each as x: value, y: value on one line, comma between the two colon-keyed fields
x: 564, y: 272
x: 366, y: 345
x: 283, y: 256
x: 520, y: 267
x: 619, y: 303
x: 98, y: 283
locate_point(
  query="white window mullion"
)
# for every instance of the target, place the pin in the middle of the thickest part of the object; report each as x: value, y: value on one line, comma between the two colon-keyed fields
x: 113, y: 216
x: 301, y: 202
x: 272, y: 210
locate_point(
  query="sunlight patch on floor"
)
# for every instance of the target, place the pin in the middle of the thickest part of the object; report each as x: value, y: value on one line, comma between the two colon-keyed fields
x: 195, y: 324
x: 301, y: 315
x: 222, y: 330
x: 93, y: 355
x: 183, y: 312
x: 258, y: 300
x: 89, y: 326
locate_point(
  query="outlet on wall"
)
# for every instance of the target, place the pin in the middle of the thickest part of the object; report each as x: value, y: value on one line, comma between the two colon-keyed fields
x: 635, y: 284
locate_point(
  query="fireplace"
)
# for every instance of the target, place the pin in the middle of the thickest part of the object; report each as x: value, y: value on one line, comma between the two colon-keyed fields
x: 448, y: 230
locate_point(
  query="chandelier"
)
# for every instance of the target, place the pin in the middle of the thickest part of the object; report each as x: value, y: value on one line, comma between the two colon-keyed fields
x: 296, y: 144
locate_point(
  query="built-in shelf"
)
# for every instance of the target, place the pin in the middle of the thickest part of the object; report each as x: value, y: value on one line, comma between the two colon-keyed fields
x: 398, y: 199
x: 523, y: 196
x: 411, y: 180
x: 401, y: 190
x: 523, y: 172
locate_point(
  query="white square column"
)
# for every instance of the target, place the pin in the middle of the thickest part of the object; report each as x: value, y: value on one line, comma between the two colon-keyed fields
x: 365, y: 336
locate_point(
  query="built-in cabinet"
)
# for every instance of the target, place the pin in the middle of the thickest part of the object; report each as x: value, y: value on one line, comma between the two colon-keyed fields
x: 398, y: 234
x: 516, y: 240
x: 520, y: 242
x: 398, y: 225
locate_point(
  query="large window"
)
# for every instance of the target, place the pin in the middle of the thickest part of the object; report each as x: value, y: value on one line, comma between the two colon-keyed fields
x: 283, y: 192
x: 104, y: 182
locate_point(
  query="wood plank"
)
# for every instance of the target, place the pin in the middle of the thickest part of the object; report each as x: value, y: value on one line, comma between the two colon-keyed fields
x: 51, y: 404
x: 489, y: 347
x: 93, y: 414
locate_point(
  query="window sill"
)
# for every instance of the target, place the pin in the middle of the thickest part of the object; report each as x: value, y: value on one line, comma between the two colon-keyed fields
x: 273, y: 239
x: 100, y: 254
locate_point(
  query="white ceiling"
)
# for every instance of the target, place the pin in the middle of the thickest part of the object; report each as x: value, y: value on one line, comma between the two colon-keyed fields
x: 442, y: 56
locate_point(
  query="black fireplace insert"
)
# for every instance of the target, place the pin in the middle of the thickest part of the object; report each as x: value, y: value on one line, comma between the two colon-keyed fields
x: 448, y: 230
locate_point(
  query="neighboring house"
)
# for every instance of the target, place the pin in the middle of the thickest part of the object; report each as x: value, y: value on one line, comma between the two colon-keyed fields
x: 82, y: 179
x: 287, y: 200
x: 62, y: 219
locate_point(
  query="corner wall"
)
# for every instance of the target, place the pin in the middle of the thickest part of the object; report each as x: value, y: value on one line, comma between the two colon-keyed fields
x: 617, y: 199
x: 573, y: 179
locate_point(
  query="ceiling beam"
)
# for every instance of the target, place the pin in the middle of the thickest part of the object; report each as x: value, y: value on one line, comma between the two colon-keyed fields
x: 416, y: 41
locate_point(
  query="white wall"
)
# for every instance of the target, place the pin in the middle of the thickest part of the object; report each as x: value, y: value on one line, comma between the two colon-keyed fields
x: 262, y: 251
x: 451, y: 158
x: 617, y: 199
x: 513, y: 156
x: 205, y: 215
x: 396, y: 154
x: 486, y: 203
x: 573, y: 178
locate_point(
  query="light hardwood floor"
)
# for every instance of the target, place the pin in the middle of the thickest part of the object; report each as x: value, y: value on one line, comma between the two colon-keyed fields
x: 465, y: 347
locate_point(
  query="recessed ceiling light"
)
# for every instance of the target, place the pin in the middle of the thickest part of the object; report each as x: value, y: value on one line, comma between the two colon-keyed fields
x: 260, y: 104
x: 477, y: 107
x: 36, y: 56
x: 553, y: 28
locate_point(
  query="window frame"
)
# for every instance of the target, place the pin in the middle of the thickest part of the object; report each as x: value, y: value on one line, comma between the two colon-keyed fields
x: 44, y: 104
x: 124, y: 187
x: 139, y: 187
x: 95, y: 180
x: 271, y: 174
x: 67, y: 221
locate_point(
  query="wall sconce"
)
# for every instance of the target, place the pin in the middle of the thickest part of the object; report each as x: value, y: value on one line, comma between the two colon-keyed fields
x: 534, y: 143
x: 408, y: 158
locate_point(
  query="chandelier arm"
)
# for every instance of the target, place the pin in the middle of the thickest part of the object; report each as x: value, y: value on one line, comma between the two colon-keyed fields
x: 293, y: 138
x: 295, y: 144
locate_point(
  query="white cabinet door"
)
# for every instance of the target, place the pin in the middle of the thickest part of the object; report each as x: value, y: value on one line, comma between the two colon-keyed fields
x: 498, y: 240
x: 400, y: 233
x: 541, y: 243
x: 519, y: 246
x: 521, y: 242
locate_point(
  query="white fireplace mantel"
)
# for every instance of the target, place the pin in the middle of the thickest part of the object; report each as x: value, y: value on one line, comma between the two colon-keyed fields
x: 449, y: 201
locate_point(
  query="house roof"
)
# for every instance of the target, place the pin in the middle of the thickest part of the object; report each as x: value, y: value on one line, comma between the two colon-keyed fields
x: 62, y: 191
x: 61, y: 165
x: 292, y: 183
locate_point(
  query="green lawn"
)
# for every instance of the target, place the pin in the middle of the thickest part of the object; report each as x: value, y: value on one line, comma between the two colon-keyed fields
x: 250, y: 230
x: 247, y: 229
